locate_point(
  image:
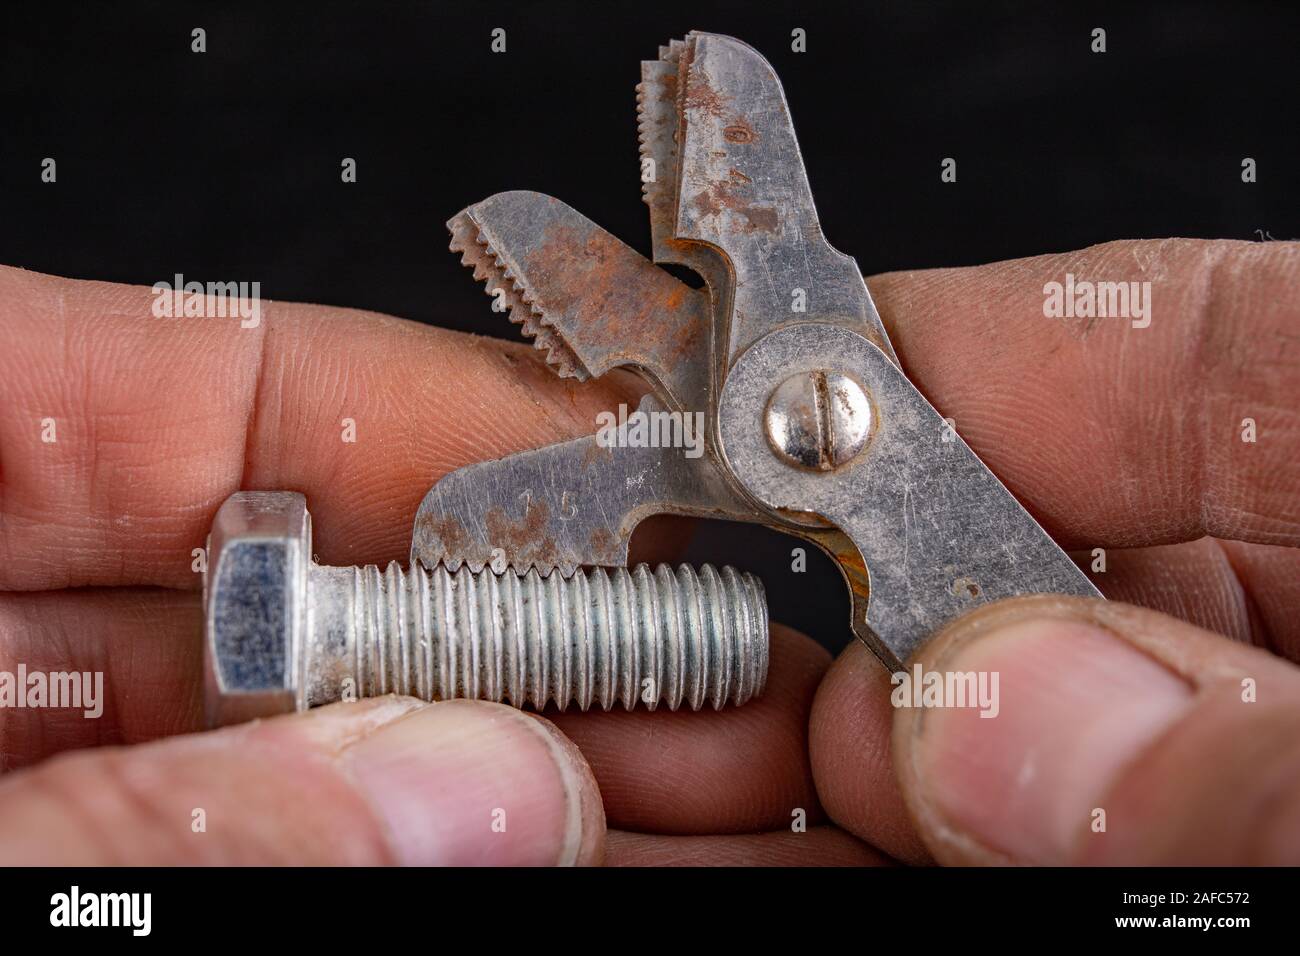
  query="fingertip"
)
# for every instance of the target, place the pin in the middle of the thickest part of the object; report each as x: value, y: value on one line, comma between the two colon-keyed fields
x: 380, y: 781
x: 850, y: 751
x: 1059, y: 765
x: 471, y: 783
x: 585, y: 831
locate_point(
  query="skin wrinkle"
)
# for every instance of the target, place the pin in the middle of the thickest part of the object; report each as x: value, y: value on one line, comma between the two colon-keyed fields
x: 387, y: 839
x: 1206, y: 358
x: 566, y: 757
x: 324, y: 755
x: 119, y: 690
x: 1241, y: 619
x: 1212, y: 668
x: 1116, y: 357
x: 46, y: 790
x: 1271, y: 754
x: 1260, y: 634
x: 1245, y: 368
x: 1135, y: 759
x: 144, y: 799
x: 326, y: 750
x: 1192, y: 581
x: 146, y: 642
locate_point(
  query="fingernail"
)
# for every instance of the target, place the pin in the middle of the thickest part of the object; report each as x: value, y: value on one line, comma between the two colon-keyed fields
x: 1076, y: 705
x: 471, y: 783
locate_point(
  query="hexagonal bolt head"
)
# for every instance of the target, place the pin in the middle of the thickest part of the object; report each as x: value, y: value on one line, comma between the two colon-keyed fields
x: 255, y: 603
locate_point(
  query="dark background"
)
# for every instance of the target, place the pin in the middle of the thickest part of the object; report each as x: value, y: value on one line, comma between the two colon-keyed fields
x: 225, y: 165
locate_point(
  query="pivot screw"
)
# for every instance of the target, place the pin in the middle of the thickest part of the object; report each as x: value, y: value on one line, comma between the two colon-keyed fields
x: 818, y: 420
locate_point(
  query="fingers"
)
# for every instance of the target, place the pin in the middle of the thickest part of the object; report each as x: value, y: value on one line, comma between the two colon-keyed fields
x: 1193, y: 581
x: 1270, y: 578
x: 382, y: 781
x: 1121, y: 736
x: 819, y: 846
x: 740, y: 769
x: 144, y: 643
x: 155, y: 421
x: 850, y: 750
x: 1114, y: 435
x: 737, y: 770
x: 1247, y: 592
x: 124, y: 432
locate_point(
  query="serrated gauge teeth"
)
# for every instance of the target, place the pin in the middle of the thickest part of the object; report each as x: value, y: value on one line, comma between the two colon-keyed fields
x: 510, y: 295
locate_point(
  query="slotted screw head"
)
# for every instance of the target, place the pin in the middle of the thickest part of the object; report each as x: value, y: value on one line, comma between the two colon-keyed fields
x: 818, y: 420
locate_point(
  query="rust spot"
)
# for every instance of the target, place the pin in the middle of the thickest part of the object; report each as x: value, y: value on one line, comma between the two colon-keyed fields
x: 604, y: 546
x: 739, y: 132
x: 611, y: 305
x: 835, y: 543
x: 762, y: 218
x: 595, y: 454
x: 668, y: 88
x: 727, y: 195
x: 707, y: 203
x: 738, y: 176
x: 445, y: 529
x: 700, y: 94
x: 523, y: 540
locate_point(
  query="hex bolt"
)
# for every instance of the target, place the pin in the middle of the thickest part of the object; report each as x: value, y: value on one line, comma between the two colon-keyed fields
x: 284, y: 633
x: 818, y: 420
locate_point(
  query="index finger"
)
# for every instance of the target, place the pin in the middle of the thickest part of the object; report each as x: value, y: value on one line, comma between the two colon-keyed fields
x: 123, y: 432
x: 1173, y: 421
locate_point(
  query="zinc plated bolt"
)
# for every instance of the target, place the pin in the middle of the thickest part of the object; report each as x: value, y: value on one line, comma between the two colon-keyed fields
x: 283, y: 633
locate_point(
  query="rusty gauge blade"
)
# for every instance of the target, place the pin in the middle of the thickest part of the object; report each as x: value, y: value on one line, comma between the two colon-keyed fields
x: 565, y: 506
x: 918, y: 526
x: 742, y: 189
x: 589, y: 299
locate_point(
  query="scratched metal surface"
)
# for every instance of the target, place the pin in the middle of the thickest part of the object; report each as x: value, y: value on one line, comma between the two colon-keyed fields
x: 920, y: 530
x: 566, y: 505
x: 938, y: 532
x: 588, y: 300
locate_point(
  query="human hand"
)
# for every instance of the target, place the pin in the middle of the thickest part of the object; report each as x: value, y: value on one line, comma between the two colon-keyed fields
x: 158, y: 420
x: 1184, y: 743
x: 124, y: 432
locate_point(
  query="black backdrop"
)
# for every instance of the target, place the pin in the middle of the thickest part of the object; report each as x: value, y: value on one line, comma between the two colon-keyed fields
x: 226, y: 164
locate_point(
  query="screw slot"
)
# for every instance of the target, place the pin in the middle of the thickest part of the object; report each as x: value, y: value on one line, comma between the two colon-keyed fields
x: 818, y: 420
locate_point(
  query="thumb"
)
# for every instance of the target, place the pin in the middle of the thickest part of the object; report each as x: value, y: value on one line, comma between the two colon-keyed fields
x: 388, y: 780
x: 1121, y: 736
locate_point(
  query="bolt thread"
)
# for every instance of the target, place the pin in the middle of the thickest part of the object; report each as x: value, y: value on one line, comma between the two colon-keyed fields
x: 593, y: 638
